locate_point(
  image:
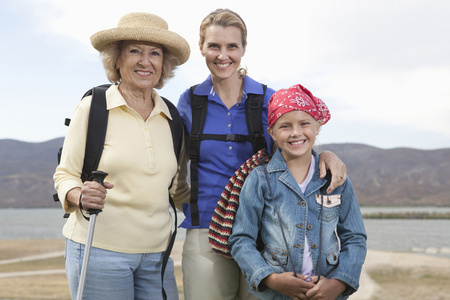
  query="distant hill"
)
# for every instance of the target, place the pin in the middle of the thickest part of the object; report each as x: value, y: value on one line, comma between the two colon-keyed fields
x: 400, y: 176
x: 26, y: 171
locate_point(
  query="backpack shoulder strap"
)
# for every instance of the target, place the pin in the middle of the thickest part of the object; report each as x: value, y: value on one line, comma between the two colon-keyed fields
x: 96, y: 132
x: 199, y: 106
x: 176, y: 127
x: 177, y: 131
x: 253, y: 115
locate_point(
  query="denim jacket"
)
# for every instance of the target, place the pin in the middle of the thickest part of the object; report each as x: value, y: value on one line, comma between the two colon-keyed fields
x: 343, y: 247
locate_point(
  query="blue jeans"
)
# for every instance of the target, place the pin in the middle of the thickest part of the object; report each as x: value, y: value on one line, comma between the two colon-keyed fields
x: 114, y: 275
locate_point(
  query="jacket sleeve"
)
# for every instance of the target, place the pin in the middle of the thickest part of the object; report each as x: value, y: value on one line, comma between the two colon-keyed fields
x: 352, y: 234
x: 247, y: 224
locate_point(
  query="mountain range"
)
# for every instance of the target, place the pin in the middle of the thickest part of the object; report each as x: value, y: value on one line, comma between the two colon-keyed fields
x: 381, y: 177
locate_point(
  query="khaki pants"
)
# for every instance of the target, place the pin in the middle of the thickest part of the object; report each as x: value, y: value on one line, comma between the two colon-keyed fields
x: 209, y: 276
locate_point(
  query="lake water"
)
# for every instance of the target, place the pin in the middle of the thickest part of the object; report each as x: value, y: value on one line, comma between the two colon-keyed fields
x: 426, y: 236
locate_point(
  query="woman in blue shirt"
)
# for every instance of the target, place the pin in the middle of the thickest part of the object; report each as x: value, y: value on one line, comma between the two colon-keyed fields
x: 223, y: 39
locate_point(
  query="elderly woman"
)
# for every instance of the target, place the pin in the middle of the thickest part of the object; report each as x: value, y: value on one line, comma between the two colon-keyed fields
x: 133, y: 230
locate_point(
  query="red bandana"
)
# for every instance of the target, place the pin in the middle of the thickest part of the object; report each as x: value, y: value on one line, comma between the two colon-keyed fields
x: 297, y: 97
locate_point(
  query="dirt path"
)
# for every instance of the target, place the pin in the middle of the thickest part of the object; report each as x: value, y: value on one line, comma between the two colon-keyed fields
x: 32, y: 257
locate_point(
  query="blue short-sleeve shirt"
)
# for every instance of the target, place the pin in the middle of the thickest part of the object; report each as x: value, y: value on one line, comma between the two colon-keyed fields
x: 219, y: 159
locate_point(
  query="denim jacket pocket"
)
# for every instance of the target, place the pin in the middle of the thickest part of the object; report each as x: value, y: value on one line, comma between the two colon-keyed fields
x: 332, y: 260
x: 333, y: 257
x: 276, y: 258
x: 329, y: 201
x: 330, y: 209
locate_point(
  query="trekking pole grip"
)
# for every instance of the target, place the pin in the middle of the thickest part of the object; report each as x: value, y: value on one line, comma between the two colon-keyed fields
x: 98, y: 176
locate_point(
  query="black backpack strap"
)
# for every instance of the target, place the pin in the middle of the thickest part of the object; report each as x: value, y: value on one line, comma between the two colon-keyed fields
x: 199, y: 106
x: 253, y: 115
x: 177, y: 130
x: 166, y: 254
x: 323, y: 191
x: 176, y: 127
x: 96, y: 132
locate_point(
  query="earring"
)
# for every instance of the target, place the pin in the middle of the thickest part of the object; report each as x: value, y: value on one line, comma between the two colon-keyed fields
x: 242, y: 72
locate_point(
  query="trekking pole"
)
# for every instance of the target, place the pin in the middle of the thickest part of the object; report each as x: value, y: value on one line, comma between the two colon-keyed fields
x: 99, y: 176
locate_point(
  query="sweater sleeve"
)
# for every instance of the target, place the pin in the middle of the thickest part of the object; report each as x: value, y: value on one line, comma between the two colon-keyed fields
x: 68, y: 172
x: 180, y: 190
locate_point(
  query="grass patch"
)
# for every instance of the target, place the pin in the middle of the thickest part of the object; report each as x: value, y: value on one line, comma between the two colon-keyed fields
x: 406, y: 284
x: 46, y: 287
x: 10, y: 249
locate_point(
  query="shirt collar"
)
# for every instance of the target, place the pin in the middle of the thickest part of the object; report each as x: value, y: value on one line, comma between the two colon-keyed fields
x: 250, y: 87
x: 114, y: 99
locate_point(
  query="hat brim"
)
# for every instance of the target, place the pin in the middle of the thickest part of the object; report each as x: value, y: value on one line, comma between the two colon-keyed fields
x: 173, y: 42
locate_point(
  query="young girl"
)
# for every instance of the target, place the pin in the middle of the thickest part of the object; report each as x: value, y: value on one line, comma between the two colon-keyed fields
x: 314, y: 245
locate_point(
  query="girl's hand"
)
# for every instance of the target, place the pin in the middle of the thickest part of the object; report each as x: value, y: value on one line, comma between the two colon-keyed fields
x: 329, y: 161
x: 288, y: 284
x: 326, y: 289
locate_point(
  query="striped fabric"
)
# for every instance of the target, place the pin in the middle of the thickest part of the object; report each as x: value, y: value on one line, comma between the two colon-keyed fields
x: 223, y: 218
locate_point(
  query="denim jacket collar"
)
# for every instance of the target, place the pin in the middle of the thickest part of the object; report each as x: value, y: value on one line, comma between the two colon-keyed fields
x: 278, y: 164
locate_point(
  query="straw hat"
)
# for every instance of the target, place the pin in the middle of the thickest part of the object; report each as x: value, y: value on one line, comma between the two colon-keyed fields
x: 143, y: 27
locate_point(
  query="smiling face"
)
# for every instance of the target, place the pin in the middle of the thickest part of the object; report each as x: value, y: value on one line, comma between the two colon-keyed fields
x: 295, y: 133
x: 140, y: 64
x: 223, y: 50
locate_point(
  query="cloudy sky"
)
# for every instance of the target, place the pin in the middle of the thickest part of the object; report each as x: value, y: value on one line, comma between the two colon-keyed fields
x: 382, y: 67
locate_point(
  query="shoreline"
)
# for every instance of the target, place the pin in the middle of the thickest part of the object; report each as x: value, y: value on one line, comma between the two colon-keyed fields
x: 385, y: 274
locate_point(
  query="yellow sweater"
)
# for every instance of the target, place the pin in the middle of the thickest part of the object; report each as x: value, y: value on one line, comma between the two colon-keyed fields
x: 139, y: 157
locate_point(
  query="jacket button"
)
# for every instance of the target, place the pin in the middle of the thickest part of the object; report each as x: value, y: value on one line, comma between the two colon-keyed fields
x: 309, y: 227
x: 299, y: 225
x: 303, y: 203
x: 313, y: 246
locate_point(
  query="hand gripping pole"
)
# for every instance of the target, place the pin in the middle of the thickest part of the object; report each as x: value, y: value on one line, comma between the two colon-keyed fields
x: 99, y: 176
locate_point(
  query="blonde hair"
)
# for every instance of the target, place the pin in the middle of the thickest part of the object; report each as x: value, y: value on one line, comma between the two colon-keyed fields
x: 111, y: 54
x: 225, y: 18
